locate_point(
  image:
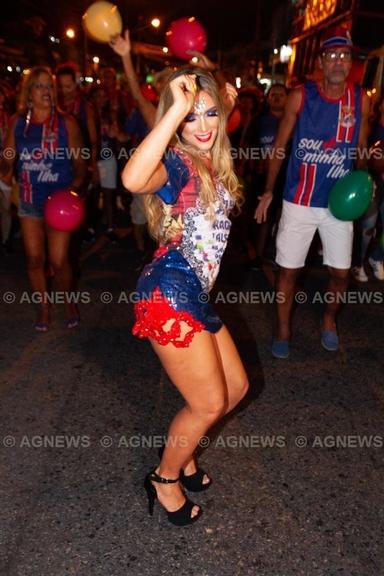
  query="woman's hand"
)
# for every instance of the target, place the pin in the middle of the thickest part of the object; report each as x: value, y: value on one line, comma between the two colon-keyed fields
x: 183, y: 90
x: 202, y: 60
x: 228, y: 95
x: 120, y: 45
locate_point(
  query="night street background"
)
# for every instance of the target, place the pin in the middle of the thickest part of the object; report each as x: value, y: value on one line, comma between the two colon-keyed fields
x: 297, y: 470
x: 282, y: 510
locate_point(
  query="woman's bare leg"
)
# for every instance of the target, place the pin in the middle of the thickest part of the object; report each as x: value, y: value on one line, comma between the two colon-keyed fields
x: 236, y: 380
x: 33, y: 233
x: 198, y: 372
x: 58, y: 247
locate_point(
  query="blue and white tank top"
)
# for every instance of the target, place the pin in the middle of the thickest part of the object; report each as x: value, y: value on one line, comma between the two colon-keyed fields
x: 324, y: 144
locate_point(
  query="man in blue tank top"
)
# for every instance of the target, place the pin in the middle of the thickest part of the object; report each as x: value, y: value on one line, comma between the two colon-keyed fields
x: 329, y: 122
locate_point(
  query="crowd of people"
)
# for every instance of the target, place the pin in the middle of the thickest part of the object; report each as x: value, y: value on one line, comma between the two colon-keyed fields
x: 176, y: 155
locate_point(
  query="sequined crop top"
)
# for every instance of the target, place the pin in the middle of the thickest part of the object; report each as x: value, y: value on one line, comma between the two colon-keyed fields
x: 200, y: 233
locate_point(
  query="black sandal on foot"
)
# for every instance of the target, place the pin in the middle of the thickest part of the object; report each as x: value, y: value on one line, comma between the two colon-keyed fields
x: 180, y: 517
x: 192, y: 482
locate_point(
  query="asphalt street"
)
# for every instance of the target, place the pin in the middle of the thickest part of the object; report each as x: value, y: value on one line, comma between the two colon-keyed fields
x: 297, y: 470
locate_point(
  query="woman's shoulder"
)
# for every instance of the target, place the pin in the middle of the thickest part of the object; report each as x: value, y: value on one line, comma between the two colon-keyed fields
x: 174, y: 153
x: 15, y: 119
x: 16, y: 126
x: 180, y: 157
x: 179, y: 171
x: 178, y: 160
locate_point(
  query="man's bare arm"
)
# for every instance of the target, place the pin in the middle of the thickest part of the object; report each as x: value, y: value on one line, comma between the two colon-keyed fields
x: 286, y: 127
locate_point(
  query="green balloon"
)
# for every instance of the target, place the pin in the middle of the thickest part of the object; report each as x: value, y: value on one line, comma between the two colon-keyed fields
x: 351, y: 196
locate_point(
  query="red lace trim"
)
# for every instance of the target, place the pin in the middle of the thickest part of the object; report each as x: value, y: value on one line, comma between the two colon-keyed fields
x: 164, y: 248
x: 161, y: 251
x: 151, y: 315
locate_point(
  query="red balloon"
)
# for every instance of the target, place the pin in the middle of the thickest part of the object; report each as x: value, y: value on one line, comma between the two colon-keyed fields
x: 149, y: 92
x: 234, y: 120
x: 186, y: 34
x: 64, y: 211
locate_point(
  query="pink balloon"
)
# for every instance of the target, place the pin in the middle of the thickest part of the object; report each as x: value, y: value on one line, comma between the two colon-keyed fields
x: 64, y: 211
x: 186, y: 34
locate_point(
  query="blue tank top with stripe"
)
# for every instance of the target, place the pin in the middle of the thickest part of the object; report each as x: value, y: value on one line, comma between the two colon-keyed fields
x: 324, y: 145
x: 44, y: 164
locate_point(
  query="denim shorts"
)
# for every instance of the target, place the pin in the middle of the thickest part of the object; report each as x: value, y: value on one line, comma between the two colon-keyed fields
x: 169, y: 289
x: 137, y: 210
x: 27, y: 210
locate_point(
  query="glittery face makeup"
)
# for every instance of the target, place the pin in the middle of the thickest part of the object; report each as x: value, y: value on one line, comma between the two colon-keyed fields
x: 200, y: 126
x: 200, y: 106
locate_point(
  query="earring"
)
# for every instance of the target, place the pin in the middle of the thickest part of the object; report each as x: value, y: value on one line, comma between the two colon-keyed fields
x: 28, y: 118
x: 51, y: 130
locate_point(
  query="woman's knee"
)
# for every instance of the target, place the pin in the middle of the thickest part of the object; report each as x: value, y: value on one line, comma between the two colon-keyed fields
x: 35, y: 262
x: 212, y: 408
x: 238, y: 388
x: 59, y: 265
x: 242, y: 387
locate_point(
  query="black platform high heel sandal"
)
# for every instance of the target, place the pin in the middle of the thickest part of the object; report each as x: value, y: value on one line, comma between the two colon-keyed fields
x: 180, y: 517
x: 192, y: 482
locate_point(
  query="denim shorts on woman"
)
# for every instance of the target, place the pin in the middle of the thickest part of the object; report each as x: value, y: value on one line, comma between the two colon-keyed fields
x: 169, y: 289
x: 27, y: 210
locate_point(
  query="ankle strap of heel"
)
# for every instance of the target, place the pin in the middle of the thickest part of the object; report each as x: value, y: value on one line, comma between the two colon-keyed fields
x: 156, y: 478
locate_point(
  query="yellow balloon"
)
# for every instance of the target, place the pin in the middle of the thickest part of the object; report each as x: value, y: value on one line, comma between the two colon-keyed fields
x: 102, y: 20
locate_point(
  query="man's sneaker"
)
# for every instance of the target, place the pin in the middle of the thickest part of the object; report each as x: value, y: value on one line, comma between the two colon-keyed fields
x: 280, y: 349
x: 377, y: 267
x: 359, y: 274
x: 329, y: 340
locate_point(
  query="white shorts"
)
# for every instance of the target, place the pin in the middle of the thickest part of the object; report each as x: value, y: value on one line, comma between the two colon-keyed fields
x: 108, y: 173
x: 297, y: 228
x: 137, y: 210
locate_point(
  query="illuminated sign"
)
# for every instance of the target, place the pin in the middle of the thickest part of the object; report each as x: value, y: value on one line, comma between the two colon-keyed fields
x: 318, y: 10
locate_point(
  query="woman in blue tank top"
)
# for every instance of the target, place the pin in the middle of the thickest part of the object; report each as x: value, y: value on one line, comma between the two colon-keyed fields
x: 46, y: 146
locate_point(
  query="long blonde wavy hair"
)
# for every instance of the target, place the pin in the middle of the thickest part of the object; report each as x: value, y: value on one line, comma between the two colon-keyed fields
x: 222, y: 164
